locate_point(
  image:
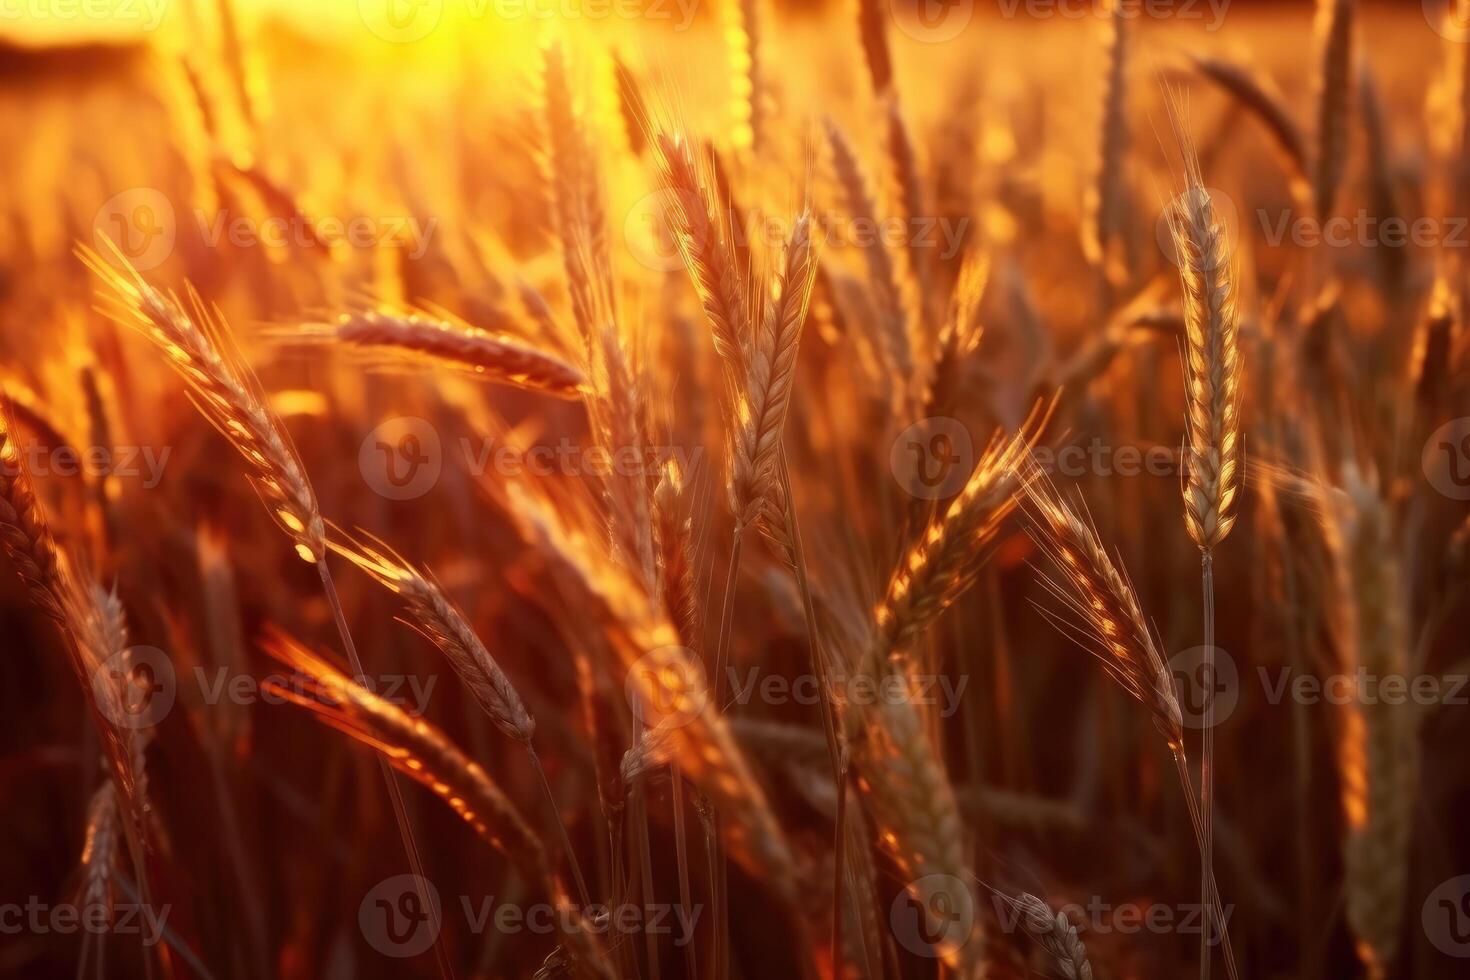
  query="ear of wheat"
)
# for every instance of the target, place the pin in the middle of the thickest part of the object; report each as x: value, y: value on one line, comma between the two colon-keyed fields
x: 1102, y: 612
x: 441, y: 622
x: 938, y: 568
x: 195, y: 343
x: 426, y: 755
x: 1056, y: 934
x: 1377, y: 746
x: 99, y: 848
x: 771, y: 376
x: 24, y: 533
x: 662, y: 673
x: 1212, y: 362
x: 701, y: 230
x: 491, y: 356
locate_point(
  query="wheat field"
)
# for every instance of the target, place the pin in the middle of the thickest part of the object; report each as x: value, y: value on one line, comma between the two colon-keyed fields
x: 727, y: 489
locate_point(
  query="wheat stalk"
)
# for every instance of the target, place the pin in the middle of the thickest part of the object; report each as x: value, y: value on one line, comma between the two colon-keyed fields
x: 1212, y: 376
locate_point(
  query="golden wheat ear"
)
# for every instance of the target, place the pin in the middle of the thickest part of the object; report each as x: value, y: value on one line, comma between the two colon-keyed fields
x: 425, y: 754
x: 431, y: 613
x: 438, y: 341
x: 194, y: 340
x: 1212, y: 358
